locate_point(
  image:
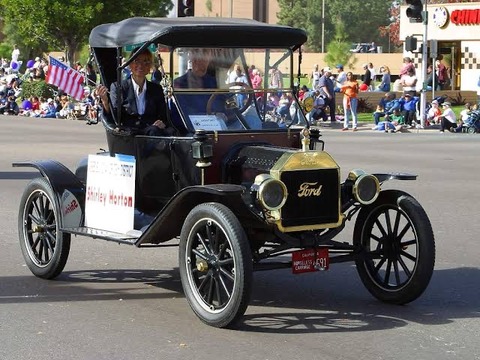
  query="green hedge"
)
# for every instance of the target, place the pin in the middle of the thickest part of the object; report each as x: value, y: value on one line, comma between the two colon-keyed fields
x: 37, y: 88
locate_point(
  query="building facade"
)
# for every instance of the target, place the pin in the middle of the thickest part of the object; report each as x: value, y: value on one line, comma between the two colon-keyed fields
x: 456, y: 28
x: 261, y: 10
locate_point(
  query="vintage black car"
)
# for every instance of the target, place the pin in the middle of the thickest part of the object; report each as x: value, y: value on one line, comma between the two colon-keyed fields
x: 244, y: 182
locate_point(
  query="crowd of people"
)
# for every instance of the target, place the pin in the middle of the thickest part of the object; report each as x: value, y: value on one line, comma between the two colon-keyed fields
x: 14, y: 73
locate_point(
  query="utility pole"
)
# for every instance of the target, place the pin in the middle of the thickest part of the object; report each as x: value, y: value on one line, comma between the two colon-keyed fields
x: 323, y: 26
x: 423, y: 94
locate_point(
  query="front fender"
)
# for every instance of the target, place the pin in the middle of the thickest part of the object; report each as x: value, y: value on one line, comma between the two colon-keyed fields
x: 69, y: 190
x: 382, y: 177
x: 168, y: 223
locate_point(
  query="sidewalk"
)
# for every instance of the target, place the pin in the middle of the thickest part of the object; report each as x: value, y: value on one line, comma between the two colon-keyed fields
x: 367, y: 126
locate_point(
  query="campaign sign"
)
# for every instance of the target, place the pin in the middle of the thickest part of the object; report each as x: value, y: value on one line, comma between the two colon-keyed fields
x: 110, y: 196
x: 310, y: 260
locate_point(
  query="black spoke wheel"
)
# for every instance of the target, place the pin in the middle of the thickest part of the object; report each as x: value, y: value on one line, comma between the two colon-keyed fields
x: 396, y: 247
x: 44, y: 247
x: 215, y: 264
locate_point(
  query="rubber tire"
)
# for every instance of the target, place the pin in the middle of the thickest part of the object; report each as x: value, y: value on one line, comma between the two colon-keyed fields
x: 411, y: 212
x: 471, y: 130
x: 40, y: 193
x: 233, y: 235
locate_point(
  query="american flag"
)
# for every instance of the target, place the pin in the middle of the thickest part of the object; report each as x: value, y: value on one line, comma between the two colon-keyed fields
x: 65, y: 78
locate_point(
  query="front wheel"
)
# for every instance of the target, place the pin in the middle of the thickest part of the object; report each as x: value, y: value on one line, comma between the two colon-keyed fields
x: 396, y: 247
x: 44, y: 247
x: 215, y: 264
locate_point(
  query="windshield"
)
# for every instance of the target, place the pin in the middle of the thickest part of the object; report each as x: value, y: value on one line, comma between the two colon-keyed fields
x: 226, y: 89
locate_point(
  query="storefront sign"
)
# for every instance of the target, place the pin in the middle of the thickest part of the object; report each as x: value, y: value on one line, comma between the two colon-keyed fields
x: 465, y: 17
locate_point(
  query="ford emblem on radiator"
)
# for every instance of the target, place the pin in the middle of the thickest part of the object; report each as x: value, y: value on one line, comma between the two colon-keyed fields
x: 308, y: 189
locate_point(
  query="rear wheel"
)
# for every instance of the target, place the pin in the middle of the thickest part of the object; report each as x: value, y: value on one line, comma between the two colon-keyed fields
x: 471, y: 130
x: 215, y: 264
x: 397, y: 246
x: 44, y: 247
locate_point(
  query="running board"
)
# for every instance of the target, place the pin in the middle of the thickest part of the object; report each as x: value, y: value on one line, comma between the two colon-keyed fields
x: 130, y: 238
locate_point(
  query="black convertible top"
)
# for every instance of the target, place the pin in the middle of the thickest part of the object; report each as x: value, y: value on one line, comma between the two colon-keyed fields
x: 196, y: 31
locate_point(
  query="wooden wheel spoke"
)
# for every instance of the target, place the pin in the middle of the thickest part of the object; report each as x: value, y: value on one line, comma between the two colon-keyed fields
x: 227, y: 274
x: 408, y: 256
x: 404, y: 267
x: 388, y: 270
x: 202, y: 241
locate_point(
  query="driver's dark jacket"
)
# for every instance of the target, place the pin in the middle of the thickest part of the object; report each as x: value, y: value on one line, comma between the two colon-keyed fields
x: 155, y: 107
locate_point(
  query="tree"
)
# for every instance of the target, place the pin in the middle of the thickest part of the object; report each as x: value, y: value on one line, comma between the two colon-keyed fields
x: 338, y: 50
x: 66, y: 24
x: 363, y: 18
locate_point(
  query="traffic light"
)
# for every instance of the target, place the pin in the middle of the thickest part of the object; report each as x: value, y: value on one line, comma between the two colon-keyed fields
x: 185, y: 8
x: 411, y: 43
x: 415, y: 10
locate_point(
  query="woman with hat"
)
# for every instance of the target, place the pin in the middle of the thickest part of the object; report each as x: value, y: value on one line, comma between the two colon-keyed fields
x: 448, y: 120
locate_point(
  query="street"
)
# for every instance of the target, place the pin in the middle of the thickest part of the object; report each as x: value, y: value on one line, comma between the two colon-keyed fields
x: 119, y: 302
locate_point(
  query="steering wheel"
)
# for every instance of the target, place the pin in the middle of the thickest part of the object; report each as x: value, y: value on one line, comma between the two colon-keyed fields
x: 231, y: 102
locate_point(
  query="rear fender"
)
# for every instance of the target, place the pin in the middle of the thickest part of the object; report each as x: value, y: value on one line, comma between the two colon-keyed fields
x: 168, y: 223
x: 69, y: 190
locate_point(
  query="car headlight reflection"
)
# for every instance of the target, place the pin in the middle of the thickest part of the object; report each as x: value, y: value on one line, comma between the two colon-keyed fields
x: 271, y: 193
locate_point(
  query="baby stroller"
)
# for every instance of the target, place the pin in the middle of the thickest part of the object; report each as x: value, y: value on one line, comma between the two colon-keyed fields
x: 472, y: 124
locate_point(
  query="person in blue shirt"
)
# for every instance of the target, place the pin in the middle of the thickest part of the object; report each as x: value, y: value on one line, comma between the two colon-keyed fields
x: 409, y: 104
x: 386, y: 107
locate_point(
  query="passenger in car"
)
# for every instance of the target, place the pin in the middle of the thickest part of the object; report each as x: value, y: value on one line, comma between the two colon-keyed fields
x: 143, y: 102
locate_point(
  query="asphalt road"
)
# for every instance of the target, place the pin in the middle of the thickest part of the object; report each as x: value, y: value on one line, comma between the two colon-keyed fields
x: 118, y: 302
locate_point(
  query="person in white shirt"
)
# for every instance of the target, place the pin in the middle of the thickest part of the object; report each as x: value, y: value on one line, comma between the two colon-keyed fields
x: 341, y: 77
x: 448, y: 120
x: 15, y: 53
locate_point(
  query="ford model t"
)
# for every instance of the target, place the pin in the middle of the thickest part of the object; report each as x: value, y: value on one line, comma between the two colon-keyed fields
x: 242, y: 180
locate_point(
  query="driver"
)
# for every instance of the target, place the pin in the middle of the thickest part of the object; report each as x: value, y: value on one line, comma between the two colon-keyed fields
x: 143, y: 102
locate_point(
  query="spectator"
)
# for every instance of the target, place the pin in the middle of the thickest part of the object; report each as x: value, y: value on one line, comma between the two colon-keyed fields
x: 303, y: 92
x: 434, y: 113
x: 448, y: 120
x: 256, y: 79
x: 372, y: 48
x: 318, y: 109
x: 36, y: 65
x: 15, y: 53
x: 408, y: 104
x: 276, y: 78
x: 367, y: 76
x: 314, y: 77
x: 50, y: 109
x: 442, y: 73
x: 283, y: 107
x: 409, y: 82
x: 11, y: 106
x: 350, y: 101
x: 386, y: 107
x: 327, y: 89
x: 386, y: 80
x: 341, y: 77
x: 407, y: 65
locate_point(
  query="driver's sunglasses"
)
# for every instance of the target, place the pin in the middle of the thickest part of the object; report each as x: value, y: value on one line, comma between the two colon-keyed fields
x: 142, y: 62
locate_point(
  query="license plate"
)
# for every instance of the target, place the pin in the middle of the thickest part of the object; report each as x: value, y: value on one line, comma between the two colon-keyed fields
x: 310, y: 260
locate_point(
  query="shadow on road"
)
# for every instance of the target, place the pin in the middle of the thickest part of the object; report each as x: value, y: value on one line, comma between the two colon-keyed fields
x: 280, y: 303
x: 18, y: 175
